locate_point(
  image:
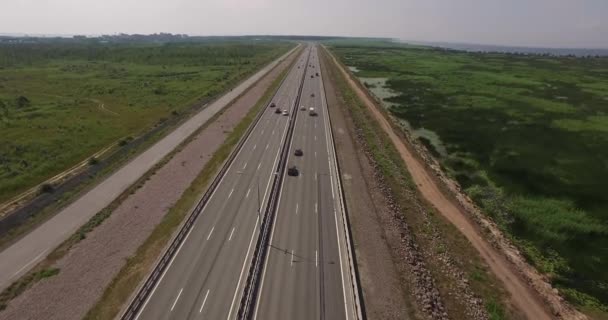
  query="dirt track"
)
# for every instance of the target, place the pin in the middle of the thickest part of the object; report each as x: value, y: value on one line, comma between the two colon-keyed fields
x: 521, y: 295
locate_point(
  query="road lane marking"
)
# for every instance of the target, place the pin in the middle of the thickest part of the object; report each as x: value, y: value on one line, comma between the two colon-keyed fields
x: 296, y: 208
x: 266, y: 146
x: 204, y: 300
x: 175, y: 302
x: 316, y: 207
x: 292, y: 258
x: 31, y: 261
x: 231, y: 233
x: 247, y: 195
x: 315, y: 154
x: 255, y: 146
x: 263, y: 131
x: 255, y: 228
x: 231, y: 192
x: 164, y: 272
x: 210, y: 233
x: 316, y: 258
x: 273, y: 132
x: 245, y: 166
x: 315, y: 138
x: 259, y: 164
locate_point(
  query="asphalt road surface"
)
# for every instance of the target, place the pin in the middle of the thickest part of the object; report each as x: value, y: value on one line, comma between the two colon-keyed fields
x: 22, y: 255
x: 306, y: 275
x: 206, y: 277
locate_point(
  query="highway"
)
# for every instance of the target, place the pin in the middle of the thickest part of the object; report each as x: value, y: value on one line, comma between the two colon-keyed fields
x: 205, y: 278
x: 30, y: 249
x: 306, y: 273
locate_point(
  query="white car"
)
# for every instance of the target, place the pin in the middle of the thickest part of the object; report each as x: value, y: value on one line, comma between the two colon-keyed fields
x: 285, y: 113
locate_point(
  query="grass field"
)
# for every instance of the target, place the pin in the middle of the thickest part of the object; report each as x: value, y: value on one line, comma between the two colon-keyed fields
x: 526, y: 137
x: 60, y: 103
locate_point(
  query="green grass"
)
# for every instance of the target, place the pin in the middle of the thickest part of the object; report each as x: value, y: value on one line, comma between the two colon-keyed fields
x: 424, y: 231
x: 138, y: 266
x: 526, y: 137
x: 60, y: 103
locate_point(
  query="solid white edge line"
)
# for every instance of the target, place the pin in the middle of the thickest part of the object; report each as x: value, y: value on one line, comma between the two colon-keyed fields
x: 29, y: 263
x: 236, y: 291
x: 257, y: 304
x: 330, y: 154
x: 192, y: 228
x: 177, y: 298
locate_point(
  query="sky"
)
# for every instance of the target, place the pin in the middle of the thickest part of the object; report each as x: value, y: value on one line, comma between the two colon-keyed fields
x: 540, y: 23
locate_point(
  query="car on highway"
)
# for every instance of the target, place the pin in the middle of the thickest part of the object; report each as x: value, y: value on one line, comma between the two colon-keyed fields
x: 317, y: 74
x: 312, y: 94
x: 312, y: 75
x: 302, y: 108
x: 293, y: 171
x: 285, y: 113
x: 277, y: 110
x: 312, y: 112
x: 298, y: 153
x: 272, y: 105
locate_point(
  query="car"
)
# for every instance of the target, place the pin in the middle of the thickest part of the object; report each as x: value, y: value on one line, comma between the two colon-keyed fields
x: 285, y: 113
x: 302, y: 108
x: 293, y: 171
x: 272, y: 105
x: 317, y: 74
x: 312, y: 76
x: 277, y: 110
x: 312, y: 94
x: 298, y: 153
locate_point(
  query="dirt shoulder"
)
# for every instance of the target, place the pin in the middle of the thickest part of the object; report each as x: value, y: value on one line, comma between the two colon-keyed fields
x: 535, y: 301
x: 91, y: 265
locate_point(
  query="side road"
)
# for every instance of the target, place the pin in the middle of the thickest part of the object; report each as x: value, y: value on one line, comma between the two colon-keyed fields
x: 32, y: 248
x: 521, y: 295
x: 97, y: 275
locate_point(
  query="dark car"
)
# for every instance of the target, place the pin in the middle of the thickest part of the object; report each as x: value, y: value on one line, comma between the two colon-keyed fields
x: 293, y: 171
x: 299, y: 152
x: 312, y: 94
x: 277, y: 110
x: 317, y: 74
x: 272, y: 105
x: 312, y: 76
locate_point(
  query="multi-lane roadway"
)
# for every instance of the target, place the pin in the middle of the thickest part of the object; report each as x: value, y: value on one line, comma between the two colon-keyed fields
x: 306, y: 273
x: 206, y: 276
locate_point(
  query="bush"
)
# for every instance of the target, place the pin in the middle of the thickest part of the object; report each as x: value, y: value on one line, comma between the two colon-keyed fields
x: 47, y: 188
x: 93, y: 161
x: 22, y: 101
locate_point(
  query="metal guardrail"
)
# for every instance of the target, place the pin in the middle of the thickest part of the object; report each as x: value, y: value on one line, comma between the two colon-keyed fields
x: 144, y: 291
x: 359, y: 307
x: 261, y: 249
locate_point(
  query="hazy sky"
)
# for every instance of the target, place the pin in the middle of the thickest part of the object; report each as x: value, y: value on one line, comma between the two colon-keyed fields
x: 557, y: 23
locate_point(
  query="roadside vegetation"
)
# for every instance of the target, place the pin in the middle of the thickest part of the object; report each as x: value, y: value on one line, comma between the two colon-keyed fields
x: 525, y: 136
x: 138, y: 266
x: 435, y: 240
x: 62, y: 102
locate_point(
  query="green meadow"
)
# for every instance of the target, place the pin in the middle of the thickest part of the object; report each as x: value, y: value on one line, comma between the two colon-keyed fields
x: 526, y: 137
x: 62, y: 102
